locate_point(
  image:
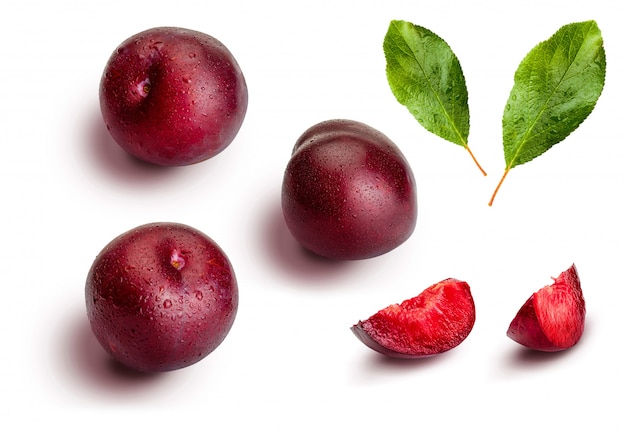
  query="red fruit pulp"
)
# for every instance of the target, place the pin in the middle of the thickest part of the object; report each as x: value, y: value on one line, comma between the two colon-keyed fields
x: 553, y: 318
x: 433, y: 322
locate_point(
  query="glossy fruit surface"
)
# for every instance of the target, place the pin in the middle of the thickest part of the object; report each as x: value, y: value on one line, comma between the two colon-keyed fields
x: 161, y: 296
x: 553, y: 318
x: 348, y: 192
x: 435, y: 321
x: 173, y: 96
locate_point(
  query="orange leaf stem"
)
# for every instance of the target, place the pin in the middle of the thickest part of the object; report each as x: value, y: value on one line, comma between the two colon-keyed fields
x: 475, y: 161
x: 498, y: 187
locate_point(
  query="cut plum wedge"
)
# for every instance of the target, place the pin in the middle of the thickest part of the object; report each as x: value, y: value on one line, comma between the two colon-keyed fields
x: 435, y: 321
x: 553, y: 318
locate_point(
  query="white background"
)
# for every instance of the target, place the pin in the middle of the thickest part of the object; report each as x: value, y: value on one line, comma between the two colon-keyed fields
x: 290, y: 360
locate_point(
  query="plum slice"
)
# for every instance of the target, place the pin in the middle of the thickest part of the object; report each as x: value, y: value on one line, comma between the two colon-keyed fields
x: 553, y: 318
x: 435, y: 321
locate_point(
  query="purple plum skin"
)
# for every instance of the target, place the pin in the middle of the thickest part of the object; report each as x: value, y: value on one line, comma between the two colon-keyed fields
x: 348, y: 192
x: 161, y: 297
x: 172, y: 96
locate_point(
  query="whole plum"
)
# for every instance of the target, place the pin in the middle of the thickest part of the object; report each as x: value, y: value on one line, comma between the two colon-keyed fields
x: 161, y: 297
x: 348, y: 192
x: 173, y: 96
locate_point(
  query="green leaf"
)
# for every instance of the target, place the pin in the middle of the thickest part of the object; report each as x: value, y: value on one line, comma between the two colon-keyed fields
x: 555, y: 88
x: 425, y: 76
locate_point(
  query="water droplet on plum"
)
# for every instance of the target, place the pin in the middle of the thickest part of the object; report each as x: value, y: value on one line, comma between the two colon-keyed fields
x: 167, y: 303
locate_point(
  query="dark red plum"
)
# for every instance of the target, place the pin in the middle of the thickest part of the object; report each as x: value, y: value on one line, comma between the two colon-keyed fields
x: 172, y: 96
x: 348, y: 192
x: 161, y: 297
